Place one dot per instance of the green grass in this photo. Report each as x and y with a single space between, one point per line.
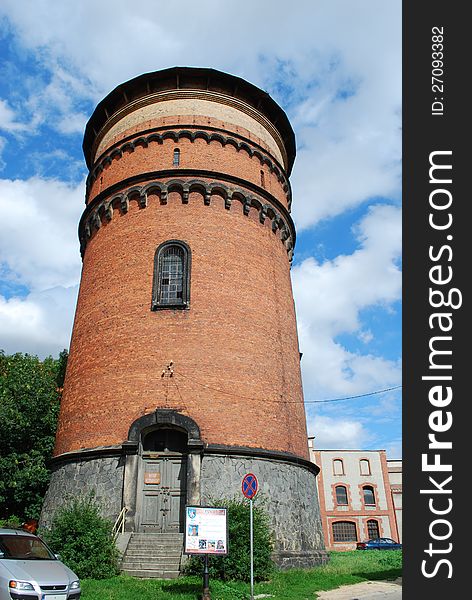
344 568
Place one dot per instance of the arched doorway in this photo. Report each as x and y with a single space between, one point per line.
162 457
162 480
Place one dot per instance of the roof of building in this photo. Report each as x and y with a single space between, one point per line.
189 78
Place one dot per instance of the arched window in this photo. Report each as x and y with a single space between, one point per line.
171 285
338 467
364 466
344 531
176 160
369 496
373 529
341 495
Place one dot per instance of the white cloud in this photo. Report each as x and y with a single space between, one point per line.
38 231
39 249
329 297
3 142
338 64
331 433
335 67
8 120
365 336
39 324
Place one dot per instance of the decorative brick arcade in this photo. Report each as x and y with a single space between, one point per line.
184 368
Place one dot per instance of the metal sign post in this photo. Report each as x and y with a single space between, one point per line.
251 534
206 581
250 486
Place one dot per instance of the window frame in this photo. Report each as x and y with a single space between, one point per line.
336 461
156 284
176 157
338 486
369 488
365 461
340 524
377 525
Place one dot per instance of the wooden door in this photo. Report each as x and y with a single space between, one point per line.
163 492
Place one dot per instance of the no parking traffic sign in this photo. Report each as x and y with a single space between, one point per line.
250 485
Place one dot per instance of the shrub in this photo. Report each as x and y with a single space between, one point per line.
84 540
12 522
236 564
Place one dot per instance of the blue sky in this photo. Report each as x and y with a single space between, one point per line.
335 68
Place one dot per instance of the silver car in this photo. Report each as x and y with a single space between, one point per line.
30 571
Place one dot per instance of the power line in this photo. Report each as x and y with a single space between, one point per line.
288 401
396 387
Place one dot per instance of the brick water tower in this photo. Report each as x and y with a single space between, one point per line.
184 368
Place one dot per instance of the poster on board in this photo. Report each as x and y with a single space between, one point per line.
206 530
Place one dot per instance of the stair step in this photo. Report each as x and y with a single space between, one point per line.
146 557
148 545
146 565
142 557
165 536
153 555
157 543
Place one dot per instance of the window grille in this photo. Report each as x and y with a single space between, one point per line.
171 288
344 531
176 160
373 529
171 270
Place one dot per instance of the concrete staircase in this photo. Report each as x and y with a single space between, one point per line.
153 555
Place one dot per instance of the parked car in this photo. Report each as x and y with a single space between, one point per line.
29 570
379 544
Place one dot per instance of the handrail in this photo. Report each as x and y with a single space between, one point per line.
119 526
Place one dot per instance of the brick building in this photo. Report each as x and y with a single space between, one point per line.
356 496
184 369
395 476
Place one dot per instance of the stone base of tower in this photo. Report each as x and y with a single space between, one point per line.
287 488
164 465
97 473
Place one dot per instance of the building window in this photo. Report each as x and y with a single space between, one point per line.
364 466
344 531
369 496
262 179
373 529
338 467
341 495
171 285
176 161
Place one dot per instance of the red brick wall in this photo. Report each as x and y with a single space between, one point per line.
199 154
235 351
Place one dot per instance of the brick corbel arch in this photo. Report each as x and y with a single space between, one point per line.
165 418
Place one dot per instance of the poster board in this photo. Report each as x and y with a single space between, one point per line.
206 530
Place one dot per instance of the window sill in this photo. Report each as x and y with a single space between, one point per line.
156 307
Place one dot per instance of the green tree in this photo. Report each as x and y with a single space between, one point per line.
30 392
